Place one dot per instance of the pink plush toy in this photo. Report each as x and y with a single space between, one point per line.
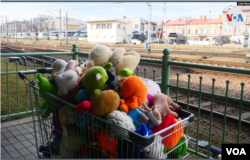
150 100
152 86
68 79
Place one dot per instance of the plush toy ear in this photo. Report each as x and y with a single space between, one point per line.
107 66
126 72
110 75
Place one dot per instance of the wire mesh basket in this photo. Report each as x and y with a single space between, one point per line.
66 133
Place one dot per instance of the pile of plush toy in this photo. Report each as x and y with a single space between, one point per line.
105 87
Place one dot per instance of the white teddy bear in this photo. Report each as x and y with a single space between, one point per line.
121 119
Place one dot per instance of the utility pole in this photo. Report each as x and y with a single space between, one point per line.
2 30
15 29
59 26
149 28
165 20
6 30
248 38
66 28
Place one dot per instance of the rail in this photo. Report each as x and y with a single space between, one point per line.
164 84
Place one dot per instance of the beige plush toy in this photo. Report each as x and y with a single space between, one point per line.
98 56
128 61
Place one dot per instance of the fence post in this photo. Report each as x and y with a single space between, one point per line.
75 50
165 71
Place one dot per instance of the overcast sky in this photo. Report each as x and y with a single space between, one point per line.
102 10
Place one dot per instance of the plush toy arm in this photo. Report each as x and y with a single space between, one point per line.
96 92
126 72
134 103
107 66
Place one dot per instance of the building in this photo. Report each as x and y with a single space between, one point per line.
18 26
176 25
140 24
45 23
109 31
242 30
204 29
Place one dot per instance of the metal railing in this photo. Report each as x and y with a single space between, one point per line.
164 84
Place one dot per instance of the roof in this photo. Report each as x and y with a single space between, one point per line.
207 21
107 20
242 8
177 22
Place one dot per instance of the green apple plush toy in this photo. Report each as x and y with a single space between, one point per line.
46 86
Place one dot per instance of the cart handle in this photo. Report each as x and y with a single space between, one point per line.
44 70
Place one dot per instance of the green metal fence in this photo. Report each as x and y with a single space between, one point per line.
164 84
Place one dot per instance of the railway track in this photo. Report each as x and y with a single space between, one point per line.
87 48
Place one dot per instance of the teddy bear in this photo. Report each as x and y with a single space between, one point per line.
133 92
119 61
98 56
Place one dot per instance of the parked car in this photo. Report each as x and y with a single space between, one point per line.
151 41
159 41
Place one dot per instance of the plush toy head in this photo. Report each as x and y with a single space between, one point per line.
134 86
67 82
98 56
94 79
59 66
105 102
82 95
45 85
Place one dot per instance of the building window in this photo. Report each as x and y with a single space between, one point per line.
98 26
104 26
248 18
174 30
136 25
109 25
189 31
196 31
246 29
183 32
239 29
215 31
229 29
225 29
202 31
92 26
208 31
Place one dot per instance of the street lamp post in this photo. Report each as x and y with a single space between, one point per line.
210 28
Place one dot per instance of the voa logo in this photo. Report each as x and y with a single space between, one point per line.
234 17
236 151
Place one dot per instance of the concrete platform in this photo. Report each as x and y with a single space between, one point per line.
18 139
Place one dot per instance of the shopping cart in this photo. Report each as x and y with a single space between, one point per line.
66 133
